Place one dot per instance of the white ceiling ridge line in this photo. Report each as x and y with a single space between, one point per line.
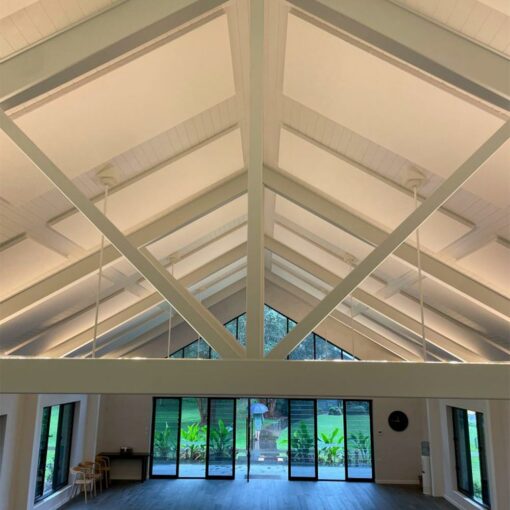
154 299
360 329
325 208
153 334
392 242
374 25
195 208
386 310
255 247
176 294
360 166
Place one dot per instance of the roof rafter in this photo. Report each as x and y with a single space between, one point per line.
314 202
93 43
392 242
424 45
192 210
142 306
176 294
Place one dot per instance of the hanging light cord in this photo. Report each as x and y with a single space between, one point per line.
170 319
420 282
100 275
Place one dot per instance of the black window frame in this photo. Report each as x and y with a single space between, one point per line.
462 414
60 465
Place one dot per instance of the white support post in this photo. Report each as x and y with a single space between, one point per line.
255 270
199 318
391 243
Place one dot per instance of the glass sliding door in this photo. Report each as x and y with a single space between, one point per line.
268 438
63 446
302 440
165 437
221 438
242 435
193 437
358 431
330 437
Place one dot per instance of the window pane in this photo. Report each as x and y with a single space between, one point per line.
193 437
347 355
304 350
359 439
275 328
43 446
241 329
64 445
177 354
321 348
166 432
191 350
461 440
203 349
483 459
50 455
232 327
214 354
332 351
330 435
302 439
221 437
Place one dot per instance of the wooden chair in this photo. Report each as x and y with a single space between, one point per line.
94 473
81 481
104 466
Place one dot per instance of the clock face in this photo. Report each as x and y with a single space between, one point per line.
398 421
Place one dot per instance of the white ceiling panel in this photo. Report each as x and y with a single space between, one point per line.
23 263
372 197
381 101
160 190
491 263
134 102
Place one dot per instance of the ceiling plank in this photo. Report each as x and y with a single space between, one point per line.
255 269
93 43
304 196
175 293
424 45
379 254
192 210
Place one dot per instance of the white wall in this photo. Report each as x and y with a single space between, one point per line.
497 438
24 415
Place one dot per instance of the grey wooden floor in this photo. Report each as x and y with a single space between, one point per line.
258 495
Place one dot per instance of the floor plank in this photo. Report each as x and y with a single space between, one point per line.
258 495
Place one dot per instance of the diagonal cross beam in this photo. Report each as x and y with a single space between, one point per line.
197 316
391 243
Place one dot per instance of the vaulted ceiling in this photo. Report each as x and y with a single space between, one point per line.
161 93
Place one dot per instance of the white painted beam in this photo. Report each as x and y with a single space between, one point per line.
376 304
131 312
301 194
253 378
424 45
379 254
183 215
199 318
93 43
255 269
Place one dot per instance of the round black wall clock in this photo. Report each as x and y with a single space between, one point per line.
398 421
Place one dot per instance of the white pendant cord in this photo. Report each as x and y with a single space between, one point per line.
170 320
100 275
420 282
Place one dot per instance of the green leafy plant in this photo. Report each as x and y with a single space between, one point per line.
302 443
164 445
360 443
192 438
221 440
331 450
